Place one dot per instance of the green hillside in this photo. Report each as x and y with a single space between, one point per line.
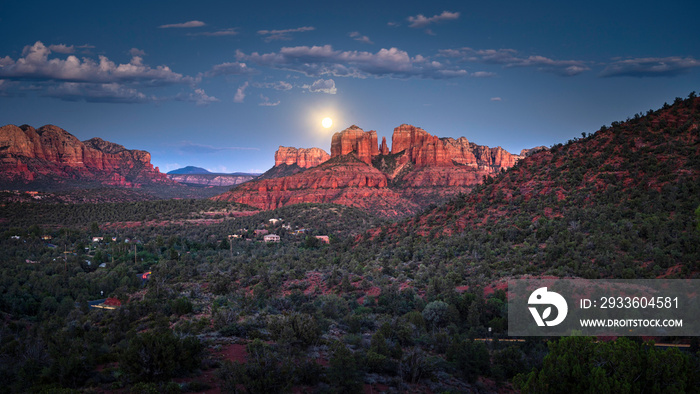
618 203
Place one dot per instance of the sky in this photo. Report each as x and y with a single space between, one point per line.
222 84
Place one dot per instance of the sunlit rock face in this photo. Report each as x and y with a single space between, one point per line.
304 158
354 139
424 149
418 170
28 154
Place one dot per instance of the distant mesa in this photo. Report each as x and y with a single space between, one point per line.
197 176
189 170
53 155
418 170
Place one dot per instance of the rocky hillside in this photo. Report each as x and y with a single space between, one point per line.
418 170
621 202
51 154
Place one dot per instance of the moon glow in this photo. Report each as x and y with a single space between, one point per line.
327 122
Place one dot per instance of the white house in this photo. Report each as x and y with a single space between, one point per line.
271 238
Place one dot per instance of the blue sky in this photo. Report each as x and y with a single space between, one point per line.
221 85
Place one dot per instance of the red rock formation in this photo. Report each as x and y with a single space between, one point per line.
354 139
528 152
343 180
419 170
424 149
28 154
383 149
406 138
304 158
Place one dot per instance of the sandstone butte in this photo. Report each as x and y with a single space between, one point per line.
51 153
418 170
304 158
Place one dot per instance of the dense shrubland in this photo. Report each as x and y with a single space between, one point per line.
406 306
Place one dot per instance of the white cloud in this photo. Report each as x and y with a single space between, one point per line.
650 67
496 99
324 60
419 21
97 93
137 52
183 25
279 85
322 86
483 74
359 37
36 65
199 97
271 35
511 58
234 68
219 33
453 73
62 48
267 103
240 93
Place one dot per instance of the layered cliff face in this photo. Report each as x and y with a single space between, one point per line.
342 180
354 139
304 158
424 149
52 154
420 169
211 179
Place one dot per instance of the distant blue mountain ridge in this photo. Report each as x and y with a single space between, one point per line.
192 170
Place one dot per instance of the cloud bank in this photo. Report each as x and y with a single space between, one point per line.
511 58
271 35
422 22
35 64
86 79
322 86
185 25
359 37
316 61
650 67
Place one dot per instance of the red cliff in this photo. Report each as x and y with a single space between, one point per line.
354 139
342 180
304 158
407 138
420 169
51 153
424 149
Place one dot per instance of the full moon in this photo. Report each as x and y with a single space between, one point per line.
327 122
